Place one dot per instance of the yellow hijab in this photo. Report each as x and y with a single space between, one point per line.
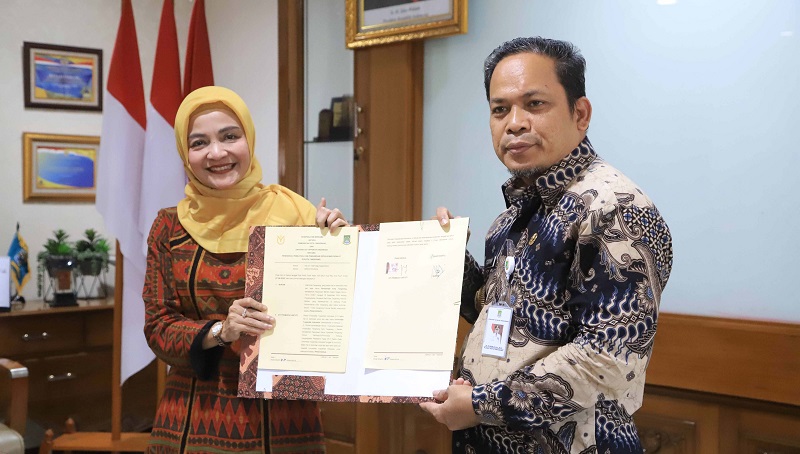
219 220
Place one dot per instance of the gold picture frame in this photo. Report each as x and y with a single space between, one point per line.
374 22
57 167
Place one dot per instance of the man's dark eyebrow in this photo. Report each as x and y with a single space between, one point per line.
530 93
527 94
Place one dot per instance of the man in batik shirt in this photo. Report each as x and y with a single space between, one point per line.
590 257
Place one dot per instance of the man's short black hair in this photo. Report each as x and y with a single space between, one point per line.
570 64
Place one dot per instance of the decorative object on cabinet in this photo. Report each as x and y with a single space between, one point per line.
58 260
325 124
59 167
92 265
19 269
336 123
373 22
62 77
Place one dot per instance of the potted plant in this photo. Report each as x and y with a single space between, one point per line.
92 253
58 258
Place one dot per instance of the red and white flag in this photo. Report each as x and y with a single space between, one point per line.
163 177
119 179
197 70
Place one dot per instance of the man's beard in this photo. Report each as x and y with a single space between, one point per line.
528 175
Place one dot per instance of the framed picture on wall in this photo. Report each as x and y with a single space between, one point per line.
59 167
372 22
62 77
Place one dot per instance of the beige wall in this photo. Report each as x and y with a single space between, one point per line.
244 52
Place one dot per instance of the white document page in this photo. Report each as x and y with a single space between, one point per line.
416 295
358 380
309 279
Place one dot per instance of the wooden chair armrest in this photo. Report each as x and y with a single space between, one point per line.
18 378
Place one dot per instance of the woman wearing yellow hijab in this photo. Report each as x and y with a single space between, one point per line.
194 286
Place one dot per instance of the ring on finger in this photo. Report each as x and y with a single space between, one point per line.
244 313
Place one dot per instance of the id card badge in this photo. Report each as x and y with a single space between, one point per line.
498 318
495 335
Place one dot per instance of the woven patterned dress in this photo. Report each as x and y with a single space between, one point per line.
186 290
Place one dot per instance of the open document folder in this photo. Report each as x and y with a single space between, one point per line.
366 313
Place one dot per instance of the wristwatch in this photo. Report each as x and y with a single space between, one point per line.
216 330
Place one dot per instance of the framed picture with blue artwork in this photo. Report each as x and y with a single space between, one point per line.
59 167
62 77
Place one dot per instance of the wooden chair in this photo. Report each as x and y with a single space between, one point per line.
16 377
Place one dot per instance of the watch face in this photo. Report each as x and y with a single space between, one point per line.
216 329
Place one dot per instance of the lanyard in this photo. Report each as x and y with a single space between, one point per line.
500 313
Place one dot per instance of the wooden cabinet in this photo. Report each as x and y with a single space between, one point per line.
724 386
68 353
682 422
677 426
763 432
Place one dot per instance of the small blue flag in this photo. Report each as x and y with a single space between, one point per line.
18 252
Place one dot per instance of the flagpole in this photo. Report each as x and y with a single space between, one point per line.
116 385
119 177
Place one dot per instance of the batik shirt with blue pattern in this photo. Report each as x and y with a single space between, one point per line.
592 255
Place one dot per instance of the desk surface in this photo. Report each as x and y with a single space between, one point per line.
39 307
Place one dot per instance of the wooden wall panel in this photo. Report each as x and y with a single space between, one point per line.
674 426
291 97
768 433
388 174
744 358
719 385
423 434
